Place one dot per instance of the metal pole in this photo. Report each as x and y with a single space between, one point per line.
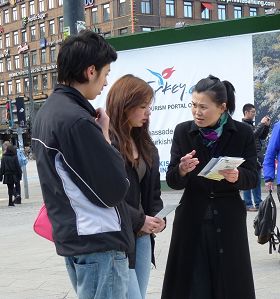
73 16
31 102
24 173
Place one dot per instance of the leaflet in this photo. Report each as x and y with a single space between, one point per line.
166 210
211 170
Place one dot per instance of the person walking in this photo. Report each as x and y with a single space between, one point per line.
10 171
260 132
128 107
272 155
82 176
209 254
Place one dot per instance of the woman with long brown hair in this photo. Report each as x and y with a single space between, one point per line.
128 106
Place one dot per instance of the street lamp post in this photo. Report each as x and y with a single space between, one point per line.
31 102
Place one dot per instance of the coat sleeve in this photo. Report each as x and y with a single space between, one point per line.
97 168
273 148
2 169
173 178
261 131
248 175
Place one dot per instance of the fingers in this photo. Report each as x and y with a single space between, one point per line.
188 163
231 175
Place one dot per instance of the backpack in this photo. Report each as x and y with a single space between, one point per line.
265 223
21 158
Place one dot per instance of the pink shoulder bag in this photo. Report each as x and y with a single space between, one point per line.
42 225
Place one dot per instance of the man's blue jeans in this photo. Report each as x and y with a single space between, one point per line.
139 277
257 193
99 275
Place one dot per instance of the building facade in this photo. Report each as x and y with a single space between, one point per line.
32 30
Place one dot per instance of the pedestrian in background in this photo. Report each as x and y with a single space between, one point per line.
82 176
10 171
272 155
209 254
128 107
260 133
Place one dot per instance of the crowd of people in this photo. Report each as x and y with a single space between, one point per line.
99 175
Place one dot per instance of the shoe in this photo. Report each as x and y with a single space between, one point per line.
17 200
252 209
11 205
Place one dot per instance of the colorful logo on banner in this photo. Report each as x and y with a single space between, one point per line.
164 86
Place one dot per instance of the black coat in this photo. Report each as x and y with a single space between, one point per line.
143 198
10 171
237 140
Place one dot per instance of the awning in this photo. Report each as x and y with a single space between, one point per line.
206 5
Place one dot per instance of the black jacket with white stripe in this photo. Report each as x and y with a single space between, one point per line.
83 177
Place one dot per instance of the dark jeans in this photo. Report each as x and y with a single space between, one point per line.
278 192
17 190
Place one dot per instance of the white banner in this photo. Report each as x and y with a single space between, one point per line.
173 69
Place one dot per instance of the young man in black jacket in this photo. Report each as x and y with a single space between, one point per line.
83 177
260 133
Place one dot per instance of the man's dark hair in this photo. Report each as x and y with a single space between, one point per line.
80 51
247 107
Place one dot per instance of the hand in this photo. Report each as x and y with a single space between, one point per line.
231 175
103 120
266 120
269 186
188 163
152 225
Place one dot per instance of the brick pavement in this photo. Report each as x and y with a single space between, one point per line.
30 268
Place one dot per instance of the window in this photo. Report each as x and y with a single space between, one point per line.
253 11
16 42
9 64
18 86
6 16
1 66
221 12
31 8
26 85
2 84
53 79
94 16
52 54
17 64
15 16
188 9
23 11
10 87
33 33
147 29
1 42
41 5
51 27
51 4
123 31
60 2
44 81
122 8
33 57
205 14
237 12
60 24
43 55
23 36
7 40
170 8
146 7
42 30
25 60
35 83
106 12
107 34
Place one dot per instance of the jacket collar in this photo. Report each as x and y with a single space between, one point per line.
75 95
248 121
230 125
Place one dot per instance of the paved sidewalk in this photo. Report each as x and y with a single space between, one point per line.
30 268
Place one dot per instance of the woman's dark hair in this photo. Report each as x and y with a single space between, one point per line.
10 149
126 94
219 91
80 51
